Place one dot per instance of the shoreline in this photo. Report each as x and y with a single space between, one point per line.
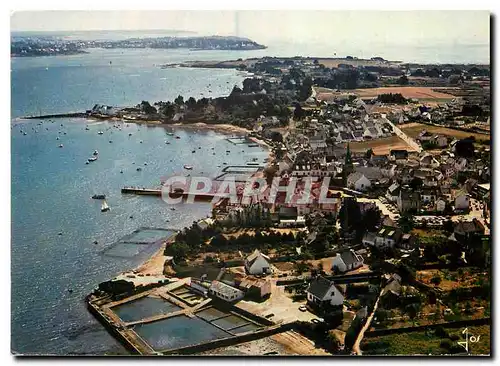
154 265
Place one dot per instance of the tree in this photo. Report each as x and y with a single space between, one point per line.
147 108
381 314
178 250
191 103
416 183
369 153
305 89
406 223
350 215
403 80
436 280
371 219
298 112
179 100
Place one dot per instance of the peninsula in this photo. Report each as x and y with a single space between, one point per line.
50 46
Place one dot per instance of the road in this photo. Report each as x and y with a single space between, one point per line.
403 136
356 349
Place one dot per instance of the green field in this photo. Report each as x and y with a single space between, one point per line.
420 343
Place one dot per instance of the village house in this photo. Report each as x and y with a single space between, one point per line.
408 242
347 260
462 200
225 292
254 288
466 230
257 263
393 192
428 195
387 237
323 292
441 204
408 200
389 297
358 182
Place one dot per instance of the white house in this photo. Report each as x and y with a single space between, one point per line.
347 260
358 182
393 192
257 263
440 204
385 237
225 292
322 291
462 200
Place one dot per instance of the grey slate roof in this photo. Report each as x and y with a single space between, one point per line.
319 287
348 257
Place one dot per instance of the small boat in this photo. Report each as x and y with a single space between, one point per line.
130 134
110 141
57 138
140 142
177 137
96 153
86 128
170 133
193 151
99 197
104 207
24 133
188 167
168 143
92 159
61 145
139 169
100 133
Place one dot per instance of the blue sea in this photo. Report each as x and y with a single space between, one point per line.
52 186
54 220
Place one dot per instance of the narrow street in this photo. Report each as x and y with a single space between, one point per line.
356 349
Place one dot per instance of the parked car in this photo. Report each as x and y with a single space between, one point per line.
316 321
302 308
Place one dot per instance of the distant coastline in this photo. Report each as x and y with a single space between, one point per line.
52 46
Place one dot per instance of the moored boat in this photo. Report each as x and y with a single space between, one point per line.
104 207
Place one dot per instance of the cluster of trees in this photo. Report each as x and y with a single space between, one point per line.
250 216
395 98
260 240
352 220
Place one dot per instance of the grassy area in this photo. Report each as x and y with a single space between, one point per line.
427 343
414 129
416 92
415 343
483 345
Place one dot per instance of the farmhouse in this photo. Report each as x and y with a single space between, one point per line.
323 292
257 263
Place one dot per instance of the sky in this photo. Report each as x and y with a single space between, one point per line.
363 27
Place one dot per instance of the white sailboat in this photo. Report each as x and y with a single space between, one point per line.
104 207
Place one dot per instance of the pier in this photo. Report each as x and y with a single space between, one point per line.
158 192
58 115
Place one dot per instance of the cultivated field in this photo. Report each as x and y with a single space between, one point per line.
335 62
413 129
416 92
380 146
